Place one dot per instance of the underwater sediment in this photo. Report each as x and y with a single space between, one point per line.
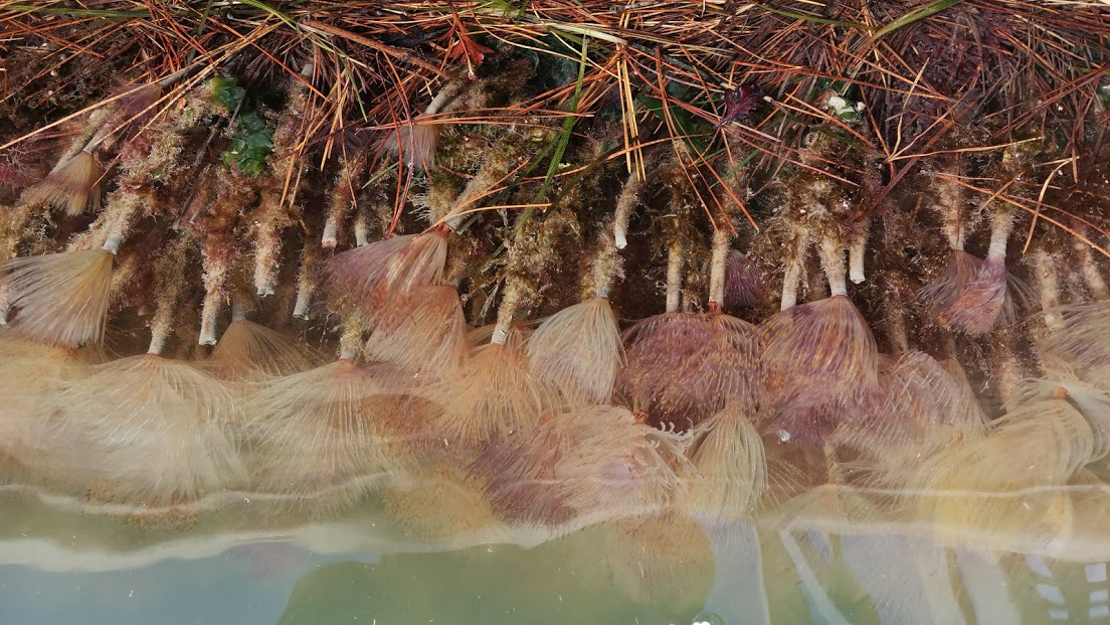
577 260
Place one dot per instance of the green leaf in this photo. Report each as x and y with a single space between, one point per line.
252 121
251 166
253 141
226 93
259 140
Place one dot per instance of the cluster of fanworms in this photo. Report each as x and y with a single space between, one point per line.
201 296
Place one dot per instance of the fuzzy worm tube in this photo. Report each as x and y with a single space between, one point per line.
306 279
506 312
362 228
342 199
857 250
792 278
832 261
895 310
676 255
629 197
1002 223
1091 274
717 265
272 217
159 333
498 165
1049 287
221 250
274 214
607 266
950 199
169 281
238 311
350 342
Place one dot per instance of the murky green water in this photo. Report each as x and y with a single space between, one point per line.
827 556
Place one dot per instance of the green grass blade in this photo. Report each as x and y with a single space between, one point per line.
262 6
813 18
914 15
558 146
563 139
